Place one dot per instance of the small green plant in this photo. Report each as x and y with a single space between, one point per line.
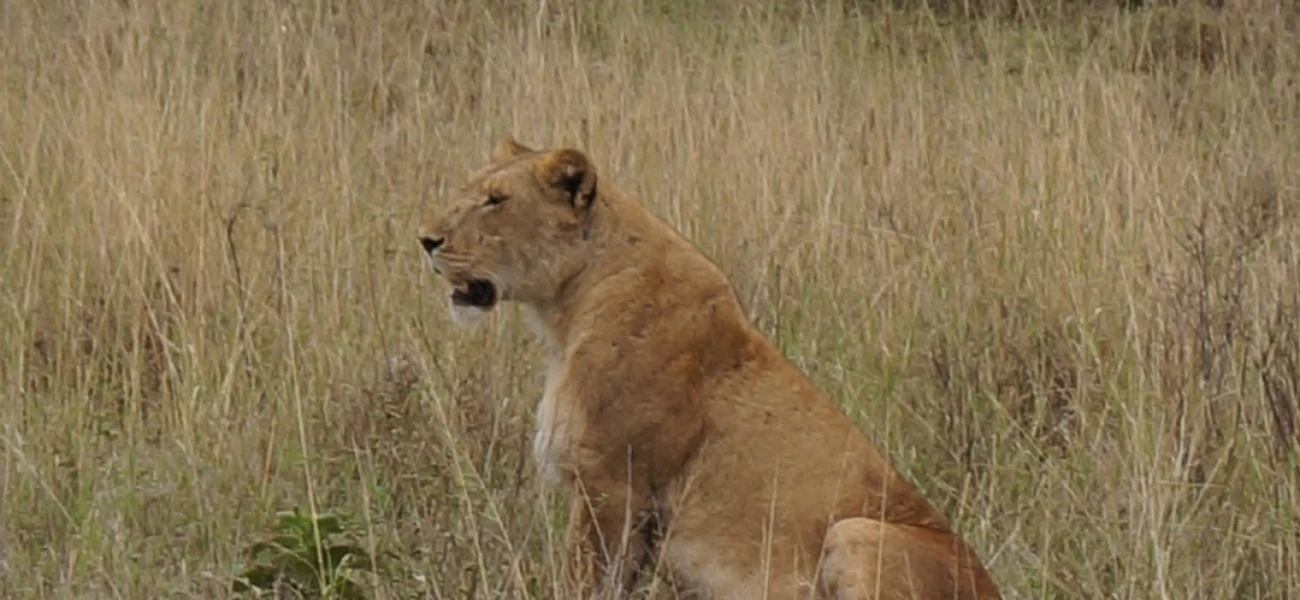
309 556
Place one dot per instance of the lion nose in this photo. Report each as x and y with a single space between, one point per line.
430 244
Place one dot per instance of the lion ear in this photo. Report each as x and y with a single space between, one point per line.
509 148
570 171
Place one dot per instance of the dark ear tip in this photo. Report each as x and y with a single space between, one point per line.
570 170
567 162
574 167
572 156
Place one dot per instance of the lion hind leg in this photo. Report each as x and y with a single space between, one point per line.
865 559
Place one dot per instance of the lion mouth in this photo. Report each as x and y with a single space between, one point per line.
478 293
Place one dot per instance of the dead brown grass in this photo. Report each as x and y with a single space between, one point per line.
1050 268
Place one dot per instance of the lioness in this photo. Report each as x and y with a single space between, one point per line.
683 433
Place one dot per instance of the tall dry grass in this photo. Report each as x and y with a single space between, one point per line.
1049 267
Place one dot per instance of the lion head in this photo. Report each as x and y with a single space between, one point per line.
514 231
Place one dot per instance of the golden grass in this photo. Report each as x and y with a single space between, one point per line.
1049 268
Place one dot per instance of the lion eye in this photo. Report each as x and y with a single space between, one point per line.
495 199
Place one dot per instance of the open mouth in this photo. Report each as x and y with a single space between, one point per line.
478 293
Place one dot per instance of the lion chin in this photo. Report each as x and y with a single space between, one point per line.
469 302
463 315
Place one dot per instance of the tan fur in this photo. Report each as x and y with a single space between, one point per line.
686 437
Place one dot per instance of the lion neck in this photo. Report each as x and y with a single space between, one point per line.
622 236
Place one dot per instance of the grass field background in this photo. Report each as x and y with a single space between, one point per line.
1047 261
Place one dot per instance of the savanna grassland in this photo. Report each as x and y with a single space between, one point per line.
1047 261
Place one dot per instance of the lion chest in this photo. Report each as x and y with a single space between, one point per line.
559 426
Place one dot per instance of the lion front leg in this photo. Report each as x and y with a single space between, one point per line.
579 574
606 542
